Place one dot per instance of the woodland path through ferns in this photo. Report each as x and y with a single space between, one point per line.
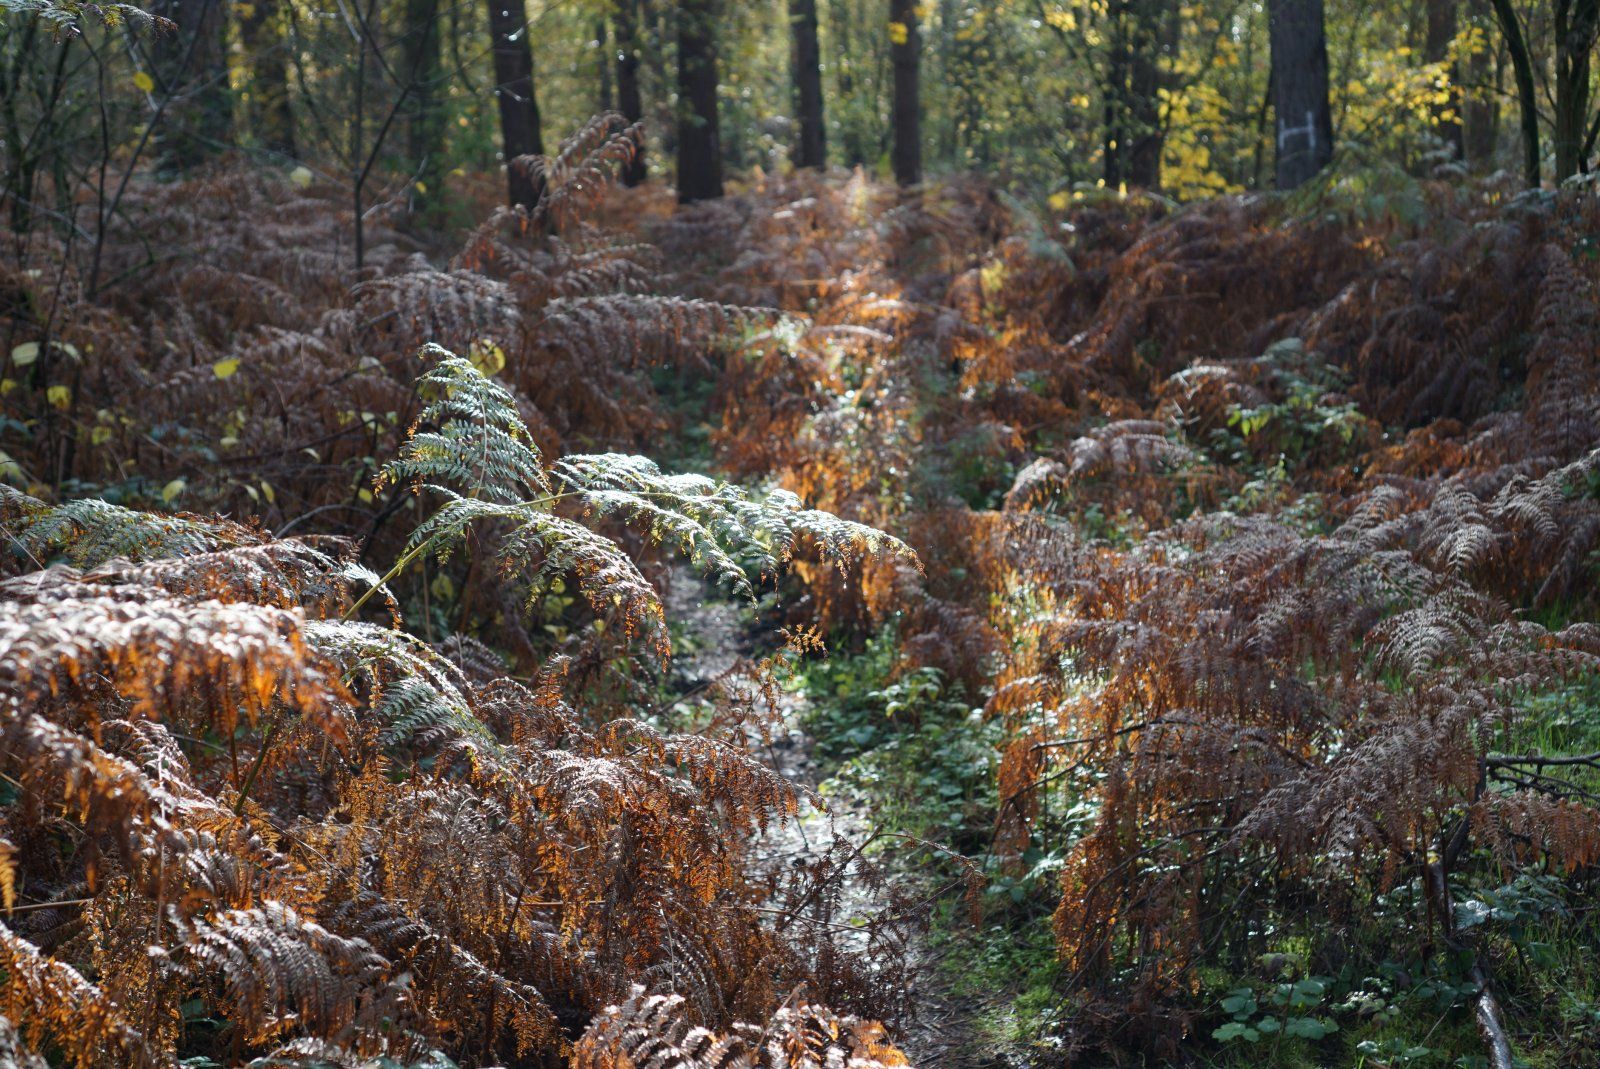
943 1036
1215 590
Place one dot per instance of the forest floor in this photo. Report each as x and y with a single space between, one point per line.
834 817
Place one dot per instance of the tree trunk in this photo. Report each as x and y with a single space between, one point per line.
1576 24
1480 113
905 51
1436 50
266 51
853 144
425 124
1527 101
1114 135
608 100
811 145
699 137
191 66
629 99
1300 89
521 130
1154 34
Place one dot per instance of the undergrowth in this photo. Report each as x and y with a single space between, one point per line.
1211 593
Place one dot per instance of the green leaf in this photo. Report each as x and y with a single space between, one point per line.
1309 1027
1240 1000
1236 1030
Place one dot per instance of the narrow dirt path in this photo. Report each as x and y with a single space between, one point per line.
941 1033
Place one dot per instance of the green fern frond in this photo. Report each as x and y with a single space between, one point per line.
542 546
91 532
481 444
482 447
417 691
720 526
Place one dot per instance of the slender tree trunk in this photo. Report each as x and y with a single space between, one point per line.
1300 89
1153 34
1527 100
1479 113
608 100
267 52
699 137
629 99
811 146
852 143
1577 22
425 124
1258 169
1436 49
521 129
191 64
1114 135
905 51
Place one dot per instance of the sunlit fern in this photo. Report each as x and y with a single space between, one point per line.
91 532
471 448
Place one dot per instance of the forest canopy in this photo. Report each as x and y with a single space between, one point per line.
799 534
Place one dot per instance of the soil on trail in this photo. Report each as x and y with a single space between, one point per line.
940 1033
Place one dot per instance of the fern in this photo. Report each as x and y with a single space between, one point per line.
652 1030
282 971
54 1003
93 532
482 447
415 691
481 443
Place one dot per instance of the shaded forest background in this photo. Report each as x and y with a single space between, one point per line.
834 533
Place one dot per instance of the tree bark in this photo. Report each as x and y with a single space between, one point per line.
1436 49
1527 100
1576 24
607 99
1480 112
905 51
521 129
191 65
699 136
1155 33
1300 89
1114 135
629 99
1142 31
811 144
266 51
425 124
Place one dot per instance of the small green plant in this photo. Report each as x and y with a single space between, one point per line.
1294 1008
1308 418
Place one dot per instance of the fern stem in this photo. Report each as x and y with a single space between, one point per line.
399 566
255 770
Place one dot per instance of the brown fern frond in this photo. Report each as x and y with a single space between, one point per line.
57 1005
157 653
279 970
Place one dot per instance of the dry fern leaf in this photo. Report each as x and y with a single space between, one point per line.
157 652
54 1004
651 1032
280 970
